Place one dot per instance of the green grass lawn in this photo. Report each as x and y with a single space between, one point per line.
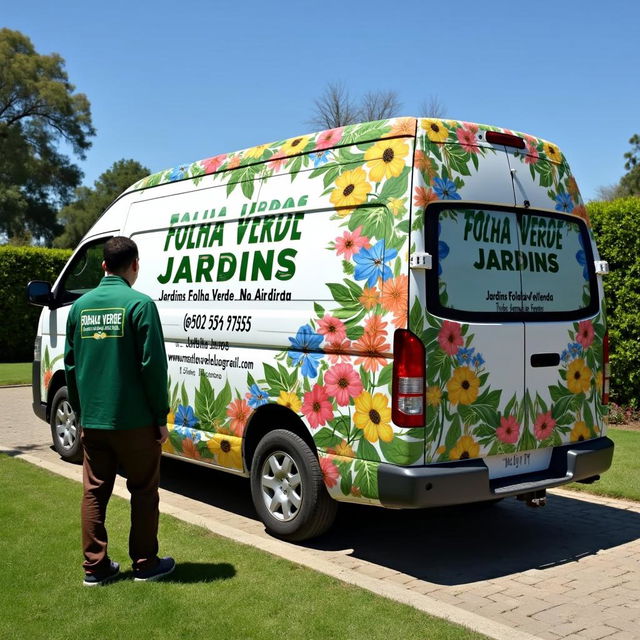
623 479
220 589
15 373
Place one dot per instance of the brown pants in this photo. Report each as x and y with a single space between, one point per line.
138 451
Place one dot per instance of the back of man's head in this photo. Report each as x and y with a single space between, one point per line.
119 253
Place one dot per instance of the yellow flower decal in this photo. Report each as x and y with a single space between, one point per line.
578 376
436 131
552 152
463 386
171 418
580 432
255 152
342 449
466 447
295 145
385 159
434 395
373 416
351 190
291 400
396 206
227 450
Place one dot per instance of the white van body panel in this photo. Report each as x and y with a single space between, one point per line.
255 257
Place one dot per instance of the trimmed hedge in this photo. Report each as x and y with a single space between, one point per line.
18 265
616 225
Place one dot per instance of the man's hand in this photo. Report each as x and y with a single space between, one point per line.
164 433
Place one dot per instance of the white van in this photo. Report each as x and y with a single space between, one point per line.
405 313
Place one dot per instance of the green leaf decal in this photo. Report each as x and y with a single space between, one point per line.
367 478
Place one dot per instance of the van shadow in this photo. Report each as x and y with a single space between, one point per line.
448 546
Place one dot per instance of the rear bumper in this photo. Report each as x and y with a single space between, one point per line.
468 480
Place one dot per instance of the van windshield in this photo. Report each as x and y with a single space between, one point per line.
492 262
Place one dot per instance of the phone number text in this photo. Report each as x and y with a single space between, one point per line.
216 322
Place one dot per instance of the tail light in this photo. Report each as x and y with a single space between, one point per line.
408 380
506 139
606 373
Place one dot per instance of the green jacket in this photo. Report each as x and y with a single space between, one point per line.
115 359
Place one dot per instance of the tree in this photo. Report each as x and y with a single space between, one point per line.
334 108
38 110
432 108
379 105
633 156
89 204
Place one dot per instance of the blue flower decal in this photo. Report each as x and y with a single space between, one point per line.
305 342
564 202
446 189
371 264
564 356
477 360
179 172
257 397
581 257
320 158
464 355
575 349
443 249
185 417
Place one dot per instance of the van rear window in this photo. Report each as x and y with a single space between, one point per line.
498 263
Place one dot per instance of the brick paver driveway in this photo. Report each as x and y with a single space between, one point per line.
569 570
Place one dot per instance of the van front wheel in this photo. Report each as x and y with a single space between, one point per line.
287 488
65 430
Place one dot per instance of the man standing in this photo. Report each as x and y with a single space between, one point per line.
116 369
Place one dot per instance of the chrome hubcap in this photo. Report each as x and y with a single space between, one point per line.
66 428
281 486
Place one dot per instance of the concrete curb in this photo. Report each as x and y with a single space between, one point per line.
291 552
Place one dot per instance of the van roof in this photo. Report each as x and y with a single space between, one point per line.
277 153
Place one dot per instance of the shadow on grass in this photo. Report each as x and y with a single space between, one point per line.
450 546
192 573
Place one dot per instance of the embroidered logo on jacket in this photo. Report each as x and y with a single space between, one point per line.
99 324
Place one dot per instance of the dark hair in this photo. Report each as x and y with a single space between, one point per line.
119 253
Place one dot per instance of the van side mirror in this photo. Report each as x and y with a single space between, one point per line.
39 293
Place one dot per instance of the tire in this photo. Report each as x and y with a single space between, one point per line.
288 490
65 430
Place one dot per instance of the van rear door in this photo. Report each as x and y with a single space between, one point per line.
563 330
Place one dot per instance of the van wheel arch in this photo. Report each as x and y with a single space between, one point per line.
57 382
268 418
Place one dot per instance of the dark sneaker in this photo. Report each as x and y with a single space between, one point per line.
164 567
95 579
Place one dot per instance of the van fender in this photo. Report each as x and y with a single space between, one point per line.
268 418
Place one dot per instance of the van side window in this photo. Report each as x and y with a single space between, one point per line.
83 273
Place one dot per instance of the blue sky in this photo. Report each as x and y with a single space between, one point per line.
173 82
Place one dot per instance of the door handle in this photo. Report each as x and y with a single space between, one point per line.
545 359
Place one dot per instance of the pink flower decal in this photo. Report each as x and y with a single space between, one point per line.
343 383
350 243
467 139
330 472
532 155
544 425
211 165
332 329
329 138
317 407
509 430
277 160
450 338
585 334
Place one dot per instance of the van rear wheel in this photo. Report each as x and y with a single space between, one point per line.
288 490
65 429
